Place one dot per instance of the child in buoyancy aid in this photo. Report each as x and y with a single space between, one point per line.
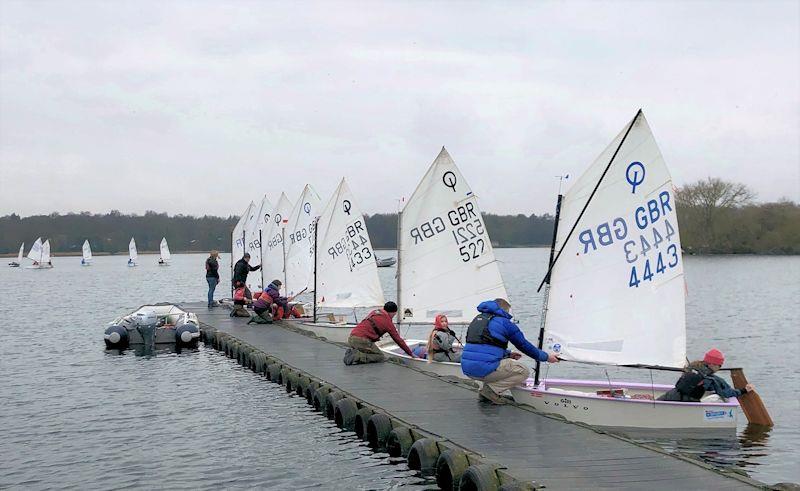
262 306
440 343
281 309
699 379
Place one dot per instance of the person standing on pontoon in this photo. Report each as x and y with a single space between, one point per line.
362 347
212 275
699 379
240 271
486 356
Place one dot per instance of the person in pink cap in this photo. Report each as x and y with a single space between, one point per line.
699 378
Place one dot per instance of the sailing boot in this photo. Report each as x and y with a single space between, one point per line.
487 394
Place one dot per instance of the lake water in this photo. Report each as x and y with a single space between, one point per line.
75 416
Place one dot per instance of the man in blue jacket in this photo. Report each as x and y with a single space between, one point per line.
486 356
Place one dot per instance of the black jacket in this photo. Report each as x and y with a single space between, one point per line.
240 270
212 268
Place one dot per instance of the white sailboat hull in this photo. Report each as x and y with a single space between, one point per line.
337 333
578 401
444 369
40 266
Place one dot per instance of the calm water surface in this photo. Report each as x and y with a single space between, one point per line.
76 416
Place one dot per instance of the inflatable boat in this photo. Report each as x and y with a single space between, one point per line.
153 324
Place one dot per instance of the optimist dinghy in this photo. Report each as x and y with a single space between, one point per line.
444 369
615 293
153 324
163 249
18 262
133 254
40 255
86 260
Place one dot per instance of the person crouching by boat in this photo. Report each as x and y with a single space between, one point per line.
699 379
362 347
282 310
441 341
241 298
486 356
262 306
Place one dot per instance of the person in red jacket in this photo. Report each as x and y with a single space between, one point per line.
362 348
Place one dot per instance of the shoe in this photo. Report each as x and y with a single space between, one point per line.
349 356
488 395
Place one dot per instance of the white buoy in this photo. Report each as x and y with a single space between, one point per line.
186 336
112 338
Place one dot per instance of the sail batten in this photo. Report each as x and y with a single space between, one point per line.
447 264
347 272
616 292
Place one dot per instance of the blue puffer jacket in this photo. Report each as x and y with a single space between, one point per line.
479 360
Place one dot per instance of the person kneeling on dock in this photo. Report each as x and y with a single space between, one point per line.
362 347
281 309
262 306
486 356
699 379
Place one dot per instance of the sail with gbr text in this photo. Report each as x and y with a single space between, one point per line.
447 264
347 275
272 252
300 242
617 292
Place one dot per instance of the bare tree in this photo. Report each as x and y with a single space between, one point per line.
705 201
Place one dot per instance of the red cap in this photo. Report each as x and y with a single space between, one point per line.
714 357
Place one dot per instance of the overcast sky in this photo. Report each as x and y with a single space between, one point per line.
199 107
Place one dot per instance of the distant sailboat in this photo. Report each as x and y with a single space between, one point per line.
18 262
86 260
47 261
133 255
40 255
165 254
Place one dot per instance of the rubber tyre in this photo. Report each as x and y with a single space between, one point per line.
423 456
286 378
378 428
480 477
399 442
450 466
344 413
310 390
360 424
274 373
301 385
319 397
330 402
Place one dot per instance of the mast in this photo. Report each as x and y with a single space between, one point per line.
398 277
261 253
283 246
547 288
316 222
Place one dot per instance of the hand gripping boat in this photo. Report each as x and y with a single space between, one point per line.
153 324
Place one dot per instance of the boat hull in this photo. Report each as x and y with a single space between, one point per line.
444 369
337 333
166 324
578 401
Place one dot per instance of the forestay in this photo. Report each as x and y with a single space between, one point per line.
238 236
87 251
164 249
447 264
272 253
347 275
300 241
132 253
35 254
617 290
256 230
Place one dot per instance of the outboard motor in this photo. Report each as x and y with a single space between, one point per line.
116 337
146 323
187 334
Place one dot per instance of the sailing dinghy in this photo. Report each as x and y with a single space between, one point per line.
446 263
299 243
166 256
18 262
86 260
615 293
133 254
40 255
256 231
273 252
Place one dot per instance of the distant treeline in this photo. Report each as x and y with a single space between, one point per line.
715 217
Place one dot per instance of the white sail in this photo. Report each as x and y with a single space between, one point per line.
45 252
132 253
87 251
257 230
447 263
272 243
347 275
617 291
300 243
164 249
35 254
238 236
21 252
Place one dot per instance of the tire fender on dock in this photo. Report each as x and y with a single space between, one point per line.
286 374
450 466
319 397
274 372
330 402
344 413
311 389
378 428
362 418
480 477
302 385
423 455
399 442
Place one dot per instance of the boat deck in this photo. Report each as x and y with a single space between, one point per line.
531 446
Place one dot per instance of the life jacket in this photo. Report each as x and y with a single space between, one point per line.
691 386
238 294
478 332
453 336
